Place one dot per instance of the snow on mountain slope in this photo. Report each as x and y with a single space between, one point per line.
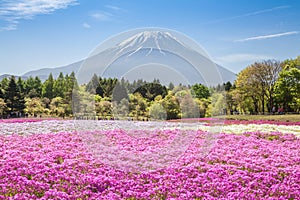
159 40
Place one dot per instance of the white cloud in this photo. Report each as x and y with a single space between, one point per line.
236 58
102 16
115 8
86 25
263 37
258 12
263 11
110 13
12 11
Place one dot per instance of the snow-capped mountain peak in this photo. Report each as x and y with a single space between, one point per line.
159 40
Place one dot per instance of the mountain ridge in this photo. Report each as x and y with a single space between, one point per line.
44 73
165 56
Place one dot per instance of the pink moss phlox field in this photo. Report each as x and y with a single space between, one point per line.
229 122
287 123
23 120
251 165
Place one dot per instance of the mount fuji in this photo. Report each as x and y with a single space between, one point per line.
147 55
159 55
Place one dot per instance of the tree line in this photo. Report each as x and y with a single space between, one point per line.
268 86
107 98
139 100
32 97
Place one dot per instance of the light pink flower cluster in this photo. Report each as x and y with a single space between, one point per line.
23 120
17 120
252 165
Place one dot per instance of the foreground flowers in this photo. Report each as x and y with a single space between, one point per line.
62 165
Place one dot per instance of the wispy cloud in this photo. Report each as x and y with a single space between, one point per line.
115 8
12 11
86 25
263 37
108 13
102 16
258 12
243 57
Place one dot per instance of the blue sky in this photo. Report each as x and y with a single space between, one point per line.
51 33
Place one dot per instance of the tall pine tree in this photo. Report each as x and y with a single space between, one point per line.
48 87
1 92
60 86
13 98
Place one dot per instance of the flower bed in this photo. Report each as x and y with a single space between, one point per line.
230 121
19 120
61 165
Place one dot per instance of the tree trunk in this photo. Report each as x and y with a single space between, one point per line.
263 104
255 103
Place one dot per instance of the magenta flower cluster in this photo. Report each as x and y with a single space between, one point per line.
252 165
261 122
229 122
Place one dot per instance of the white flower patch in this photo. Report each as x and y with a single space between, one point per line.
265 128
56 126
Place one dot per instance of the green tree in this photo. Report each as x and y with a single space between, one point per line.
48 87
171 86
257 82
172 106
157 111
71 92
189 107
227 86
103 108
58 107
266 74
1 92
100 91
3 107
248 89
151 90
230 101
34 106
200 91
119 92
203 106
21 85
93 84
4 83
46 102
137 105
33 87
218 104
287 88
120 109
59 87
14 100
108 86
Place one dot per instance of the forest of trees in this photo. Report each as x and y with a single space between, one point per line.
264 87
268 86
